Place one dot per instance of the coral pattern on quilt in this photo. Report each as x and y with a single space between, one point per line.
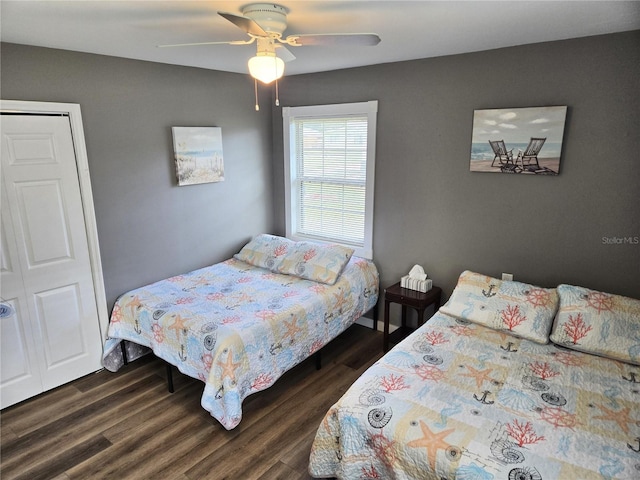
460 400
238 327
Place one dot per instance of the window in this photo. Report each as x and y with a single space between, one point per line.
329 171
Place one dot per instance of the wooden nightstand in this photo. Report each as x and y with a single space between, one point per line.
407 298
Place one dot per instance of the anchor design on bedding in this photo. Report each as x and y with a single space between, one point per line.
219 393
632 378
490 292
508 347
483 399
328 317
631 447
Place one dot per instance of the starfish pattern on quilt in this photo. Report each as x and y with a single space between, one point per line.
292 328
479 375
134 304
341 301
178 324
228 367
432 442
621 417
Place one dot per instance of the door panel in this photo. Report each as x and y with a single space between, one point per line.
35 149
58 316
44 205
43 221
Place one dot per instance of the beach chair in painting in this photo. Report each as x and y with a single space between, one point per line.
530 154
503 156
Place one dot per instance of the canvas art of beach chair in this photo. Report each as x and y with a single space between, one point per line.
530 155
503 156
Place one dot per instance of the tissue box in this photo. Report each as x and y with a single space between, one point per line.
416 284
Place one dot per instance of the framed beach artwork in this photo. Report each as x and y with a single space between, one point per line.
518 140
198 154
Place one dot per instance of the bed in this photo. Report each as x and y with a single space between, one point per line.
478 392
240 324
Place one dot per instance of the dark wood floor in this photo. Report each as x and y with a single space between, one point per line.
126 424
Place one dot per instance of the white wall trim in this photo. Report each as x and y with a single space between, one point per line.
368 322
82 161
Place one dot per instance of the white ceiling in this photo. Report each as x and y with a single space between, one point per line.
408 29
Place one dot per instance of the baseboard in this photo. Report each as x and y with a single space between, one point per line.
368 322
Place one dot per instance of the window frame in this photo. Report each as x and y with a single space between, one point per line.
289 114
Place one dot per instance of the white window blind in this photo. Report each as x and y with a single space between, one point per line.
330 174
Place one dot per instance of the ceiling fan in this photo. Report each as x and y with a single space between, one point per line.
265 24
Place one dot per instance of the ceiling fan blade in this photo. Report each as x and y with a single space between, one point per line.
233 42
245 24
284 53
331 39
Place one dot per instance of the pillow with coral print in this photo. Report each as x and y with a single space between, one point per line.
315 261
517 308
266 251
598 323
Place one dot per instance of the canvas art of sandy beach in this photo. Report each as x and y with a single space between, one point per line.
198 154
518 140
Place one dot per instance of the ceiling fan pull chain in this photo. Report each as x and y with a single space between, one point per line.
277 96
255 86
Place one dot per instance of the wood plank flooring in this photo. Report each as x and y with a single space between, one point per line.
126 425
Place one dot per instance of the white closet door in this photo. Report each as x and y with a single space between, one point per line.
44 209
20 371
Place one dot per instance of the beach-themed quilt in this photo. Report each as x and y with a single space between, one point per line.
460 400
238 327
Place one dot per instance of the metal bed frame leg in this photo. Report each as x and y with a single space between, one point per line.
123 349
318 354
375 316
125 361
169 378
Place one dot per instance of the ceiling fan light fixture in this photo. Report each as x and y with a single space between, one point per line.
266 68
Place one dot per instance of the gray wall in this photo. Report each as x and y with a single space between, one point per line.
431 210
149 228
